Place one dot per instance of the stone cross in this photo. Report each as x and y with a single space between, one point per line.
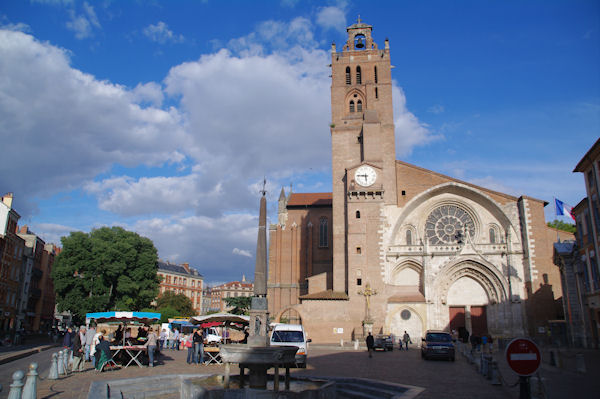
367 293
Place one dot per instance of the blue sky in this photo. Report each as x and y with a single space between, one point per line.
163 117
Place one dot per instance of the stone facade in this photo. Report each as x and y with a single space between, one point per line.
396 247
181 279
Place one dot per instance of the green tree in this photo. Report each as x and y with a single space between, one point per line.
179 302
241 304
560 225
167 313
107 269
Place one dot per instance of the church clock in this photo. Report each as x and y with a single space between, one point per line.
365 176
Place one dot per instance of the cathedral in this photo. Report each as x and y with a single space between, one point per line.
396 247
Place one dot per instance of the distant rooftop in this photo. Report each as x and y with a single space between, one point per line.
309 199
173 268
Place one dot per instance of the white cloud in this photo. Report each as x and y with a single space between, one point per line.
52 232
84 23
333 17
241 252
19 26
161 33
410 132
61 127
150 93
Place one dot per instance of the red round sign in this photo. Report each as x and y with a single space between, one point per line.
523 356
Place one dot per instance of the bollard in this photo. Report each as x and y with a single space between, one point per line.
53 374
580 363
66 354
30 389
356 345
61 363
484 365
16 388
495 373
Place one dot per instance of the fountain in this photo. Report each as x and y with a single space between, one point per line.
258 356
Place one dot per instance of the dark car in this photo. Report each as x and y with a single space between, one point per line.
383 342
437 344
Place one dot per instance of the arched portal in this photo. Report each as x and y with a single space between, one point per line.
289 316
405 318
471 294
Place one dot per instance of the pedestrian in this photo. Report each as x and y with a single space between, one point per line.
89 338
176 339
102 350
188 342
484 343
400 343
198 340
370 343
473 340
79 350
67 340
162 339
151 345
406 339
95 342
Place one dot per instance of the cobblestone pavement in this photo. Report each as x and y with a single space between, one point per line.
441 379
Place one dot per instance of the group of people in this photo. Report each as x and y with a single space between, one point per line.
402 342
86 345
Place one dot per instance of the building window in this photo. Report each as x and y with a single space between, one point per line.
358 214
359 281
351 105
323 232
492 236
348 79
358 250
408 237
359 106
376 93
375 70
358 75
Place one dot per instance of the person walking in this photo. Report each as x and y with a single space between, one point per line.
79 350
406 339
176 339
151 345
198 341
370 343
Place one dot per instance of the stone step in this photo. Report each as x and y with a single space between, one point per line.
373 390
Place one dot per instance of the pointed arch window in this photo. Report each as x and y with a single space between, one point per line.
358 214
492 235
408 237
323 230
375 74
376 93
352 106
358 75
359 106
348 78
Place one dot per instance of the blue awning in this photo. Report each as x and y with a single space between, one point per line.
108 317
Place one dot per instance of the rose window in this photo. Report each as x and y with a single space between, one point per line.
449 224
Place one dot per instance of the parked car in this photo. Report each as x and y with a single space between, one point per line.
383 342
294 335
437 344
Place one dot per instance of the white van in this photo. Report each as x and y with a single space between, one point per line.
292 335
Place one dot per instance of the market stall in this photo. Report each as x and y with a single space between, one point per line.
127 350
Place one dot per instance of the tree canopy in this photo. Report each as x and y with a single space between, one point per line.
241 304
107 269
181 304
560 225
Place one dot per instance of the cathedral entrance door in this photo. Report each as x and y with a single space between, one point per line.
479 320
457 317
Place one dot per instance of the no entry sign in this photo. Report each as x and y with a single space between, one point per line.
523 356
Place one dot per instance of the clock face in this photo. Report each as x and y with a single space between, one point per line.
365 176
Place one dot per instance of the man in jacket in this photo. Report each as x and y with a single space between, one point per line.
370 344
78 350
89 338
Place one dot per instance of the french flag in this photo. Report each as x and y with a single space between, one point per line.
562 209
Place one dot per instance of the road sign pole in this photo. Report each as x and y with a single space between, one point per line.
524 388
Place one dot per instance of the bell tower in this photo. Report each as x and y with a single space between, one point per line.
363 151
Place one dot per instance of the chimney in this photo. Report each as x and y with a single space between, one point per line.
186 266
24 229
8 199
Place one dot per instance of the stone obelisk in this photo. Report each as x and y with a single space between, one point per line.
259 313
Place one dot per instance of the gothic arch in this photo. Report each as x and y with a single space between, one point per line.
294 308
395 315
400 267
494 284
459 189
355 95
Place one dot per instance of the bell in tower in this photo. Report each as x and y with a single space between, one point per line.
359 42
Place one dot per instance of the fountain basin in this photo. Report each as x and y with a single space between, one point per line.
267 356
